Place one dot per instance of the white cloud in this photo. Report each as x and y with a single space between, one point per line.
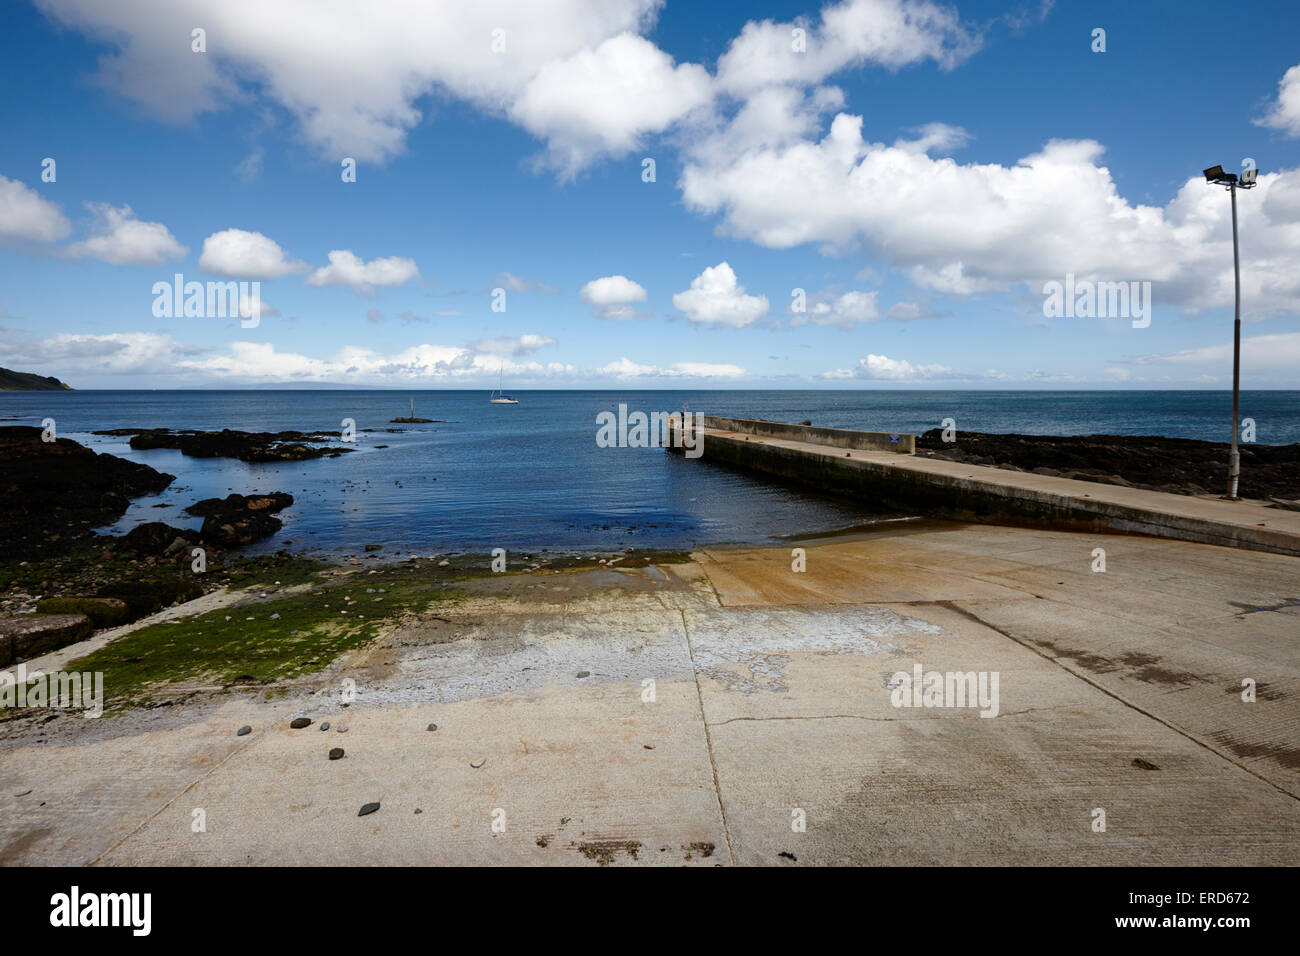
612 297
602 102
894 370
250 167
24 214
123 240
261 362
1284 114
715 298
514 283
119 353
965 229
845 310
359 99
238 254
511 347
889 33
1276 354
625 368
347 269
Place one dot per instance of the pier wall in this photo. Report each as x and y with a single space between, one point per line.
899 442
975 493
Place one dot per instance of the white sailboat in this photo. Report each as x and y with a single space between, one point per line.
499 397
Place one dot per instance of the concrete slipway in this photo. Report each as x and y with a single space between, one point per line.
1119 691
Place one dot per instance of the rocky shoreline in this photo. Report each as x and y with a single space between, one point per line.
230 443
1179 466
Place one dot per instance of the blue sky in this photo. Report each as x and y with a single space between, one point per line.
920 170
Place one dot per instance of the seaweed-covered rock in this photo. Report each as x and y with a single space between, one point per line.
143 597
102 611
24 636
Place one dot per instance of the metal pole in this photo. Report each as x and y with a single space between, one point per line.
1234 459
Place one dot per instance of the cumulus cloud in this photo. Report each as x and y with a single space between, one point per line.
123 240
716 298
578 74
239 254
890 33
359 101
845 310
602 102
348 269
612 297
24 214
1284 114
895 370
965 229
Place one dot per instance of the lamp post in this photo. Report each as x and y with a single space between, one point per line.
1216 176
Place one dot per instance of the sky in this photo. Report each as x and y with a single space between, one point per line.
636 194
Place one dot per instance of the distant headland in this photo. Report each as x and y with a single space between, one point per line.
11 381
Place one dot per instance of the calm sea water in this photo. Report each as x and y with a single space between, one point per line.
530 476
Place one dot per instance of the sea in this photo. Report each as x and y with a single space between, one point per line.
532 476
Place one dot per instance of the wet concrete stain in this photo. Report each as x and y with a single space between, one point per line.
1288 757
1253 609
1143 667
16 851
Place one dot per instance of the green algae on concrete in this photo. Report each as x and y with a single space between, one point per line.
255 644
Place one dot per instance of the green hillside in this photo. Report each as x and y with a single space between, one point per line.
11 381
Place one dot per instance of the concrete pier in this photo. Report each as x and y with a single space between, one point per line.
873 467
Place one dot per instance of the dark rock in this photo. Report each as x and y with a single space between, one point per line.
245 446
237 520
584 673
368 809
300 722
325 726
1178 465
155 538
244 731
54 493
432 727
336 753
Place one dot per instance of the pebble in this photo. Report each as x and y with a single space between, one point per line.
478 763
432 727
244 731
368 809
336 753
584 673
325 726
300 722
649 746
275 617
343 730
443 564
